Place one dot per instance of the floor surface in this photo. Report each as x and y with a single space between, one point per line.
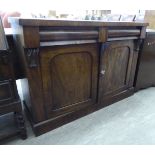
130 121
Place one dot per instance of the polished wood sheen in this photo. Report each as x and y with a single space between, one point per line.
115 68
73 68
58 22
146 66
71 72
72 35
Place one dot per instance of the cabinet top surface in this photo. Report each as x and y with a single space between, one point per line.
60 22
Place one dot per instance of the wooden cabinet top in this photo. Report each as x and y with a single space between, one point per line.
60 22
47 32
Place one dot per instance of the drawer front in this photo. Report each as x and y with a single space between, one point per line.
6 91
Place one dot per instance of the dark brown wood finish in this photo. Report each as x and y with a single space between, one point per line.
9 99
115 68
145 70
60 22
123 33
63 64
71 72
69 35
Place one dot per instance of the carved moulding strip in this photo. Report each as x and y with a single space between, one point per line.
32 56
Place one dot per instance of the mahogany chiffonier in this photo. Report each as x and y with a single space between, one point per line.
9 98
72 68
146 66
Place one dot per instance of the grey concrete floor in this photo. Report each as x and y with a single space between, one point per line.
130 121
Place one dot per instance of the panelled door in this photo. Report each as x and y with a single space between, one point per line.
69 77
115 68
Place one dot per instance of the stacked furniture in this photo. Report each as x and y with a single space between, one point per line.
10 103
146 66
72 68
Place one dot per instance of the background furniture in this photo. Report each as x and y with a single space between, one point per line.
146 67
72 68
9 99
4 16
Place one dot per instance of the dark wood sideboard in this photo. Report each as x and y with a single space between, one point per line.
72 68
10 103
145 76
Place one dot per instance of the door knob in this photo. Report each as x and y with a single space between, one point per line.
102 72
